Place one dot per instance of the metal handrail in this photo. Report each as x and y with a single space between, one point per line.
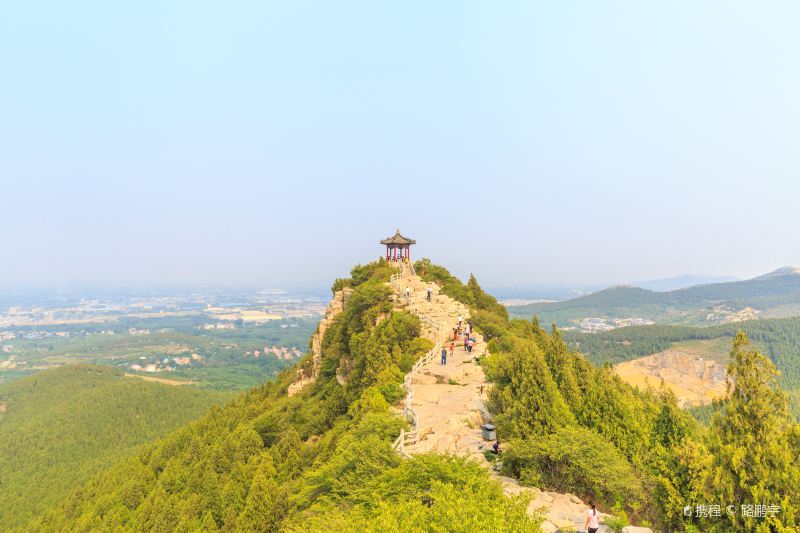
411 437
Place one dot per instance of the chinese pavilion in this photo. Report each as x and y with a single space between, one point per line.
398 248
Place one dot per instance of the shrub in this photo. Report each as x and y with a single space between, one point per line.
577 460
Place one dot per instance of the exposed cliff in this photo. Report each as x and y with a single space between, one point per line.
306 376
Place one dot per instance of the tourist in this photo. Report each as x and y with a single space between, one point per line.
408 294
428 295
444 355
455 333
460 321
592 523
496 451
496 447
452 347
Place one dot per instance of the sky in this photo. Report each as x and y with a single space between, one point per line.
277 143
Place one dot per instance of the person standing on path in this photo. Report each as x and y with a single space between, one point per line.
444 355
460 321
428 295
408 294
452 347
592 523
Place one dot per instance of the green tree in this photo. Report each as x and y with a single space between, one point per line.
208 525
264 508
754 458
530 402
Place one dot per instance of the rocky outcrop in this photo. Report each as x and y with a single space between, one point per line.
695 380
308 376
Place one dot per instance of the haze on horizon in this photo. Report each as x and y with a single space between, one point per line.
277 142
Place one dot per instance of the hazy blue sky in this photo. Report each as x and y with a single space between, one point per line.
278 142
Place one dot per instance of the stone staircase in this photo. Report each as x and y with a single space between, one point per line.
449 401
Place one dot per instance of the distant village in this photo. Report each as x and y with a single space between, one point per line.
598 325
171 363
254 307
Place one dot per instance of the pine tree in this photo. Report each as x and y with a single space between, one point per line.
208 525
264 508
751 440
531 402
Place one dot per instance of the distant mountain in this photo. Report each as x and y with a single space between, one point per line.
542 292
783 271
62 426
682 282
774 294
567 292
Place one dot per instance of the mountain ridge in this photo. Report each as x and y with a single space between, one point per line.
780 288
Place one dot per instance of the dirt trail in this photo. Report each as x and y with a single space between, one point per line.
165 381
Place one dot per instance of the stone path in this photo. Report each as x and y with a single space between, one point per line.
450 400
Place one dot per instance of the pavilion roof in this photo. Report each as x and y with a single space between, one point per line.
398 239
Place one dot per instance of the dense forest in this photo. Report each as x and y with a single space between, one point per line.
775 294
322 459
60 427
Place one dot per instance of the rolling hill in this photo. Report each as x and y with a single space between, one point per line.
776 294
324 456
60 427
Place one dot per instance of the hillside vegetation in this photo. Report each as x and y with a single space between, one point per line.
776 294
572 426
321 460
62 426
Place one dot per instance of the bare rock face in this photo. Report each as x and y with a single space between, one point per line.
695 380
334 308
